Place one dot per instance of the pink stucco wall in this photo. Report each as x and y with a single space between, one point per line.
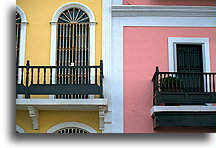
145 48
171 2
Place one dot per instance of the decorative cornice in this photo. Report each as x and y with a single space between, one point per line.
166 11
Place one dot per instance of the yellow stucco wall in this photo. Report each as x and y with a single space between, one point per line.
47 119
38 39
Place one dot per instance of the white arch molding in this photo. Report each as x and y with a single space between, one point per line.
92 25
19 129
71 124
24 23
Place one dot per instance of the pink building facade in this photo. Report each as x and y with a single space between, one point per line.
167 34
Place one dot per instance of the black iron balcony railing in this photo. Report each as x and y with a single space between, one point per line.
184 88
61 81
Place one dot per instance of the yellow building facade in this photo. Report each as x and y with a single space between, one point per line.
38 43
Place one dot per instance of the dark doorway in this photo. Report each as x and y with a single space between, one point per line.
189 60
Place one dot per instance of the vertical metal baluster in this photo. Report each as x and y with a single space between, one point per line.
172 82
72 54
60 57
101 79
78 55
27 79
82 58
200 84
159 81
66 56
38 76
69 58
192 82
51 75
63 57
85 55
63 53
195 82
189 82
214 82
44 75
206 86
32 69
22 77
88 61
210 84
75 56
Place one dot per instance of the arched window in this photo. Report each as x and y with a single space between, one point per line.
71 127
71 130
73 44
73 48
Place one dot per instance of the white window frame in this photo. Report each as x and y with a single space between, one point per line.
24 23
19 129
172 52
71 124
92 25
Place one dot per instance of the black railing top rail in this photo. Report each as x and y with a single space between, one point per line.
59 66
186 73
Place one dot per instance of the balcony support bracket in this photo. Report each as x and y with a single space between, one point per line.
33 113
102 110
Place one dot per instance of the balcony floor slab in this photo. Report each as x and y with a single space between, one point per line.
62 104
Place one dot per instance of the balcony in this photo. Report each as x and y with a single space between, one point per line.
184 99
64 82
184 88
68 88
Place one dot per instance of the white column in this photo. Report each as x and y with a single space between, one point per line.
106 56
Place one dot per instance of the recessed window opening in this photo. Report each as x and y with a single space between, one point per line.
73 49
189 60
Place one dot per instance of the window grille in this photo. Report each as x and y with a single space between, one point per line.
73 49
71 130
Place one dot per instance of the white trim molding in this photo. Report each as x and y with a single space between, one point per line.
172 51
188 108
19 129
54 21
159 10
71 124
22 14
69 5
24 23
106 54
